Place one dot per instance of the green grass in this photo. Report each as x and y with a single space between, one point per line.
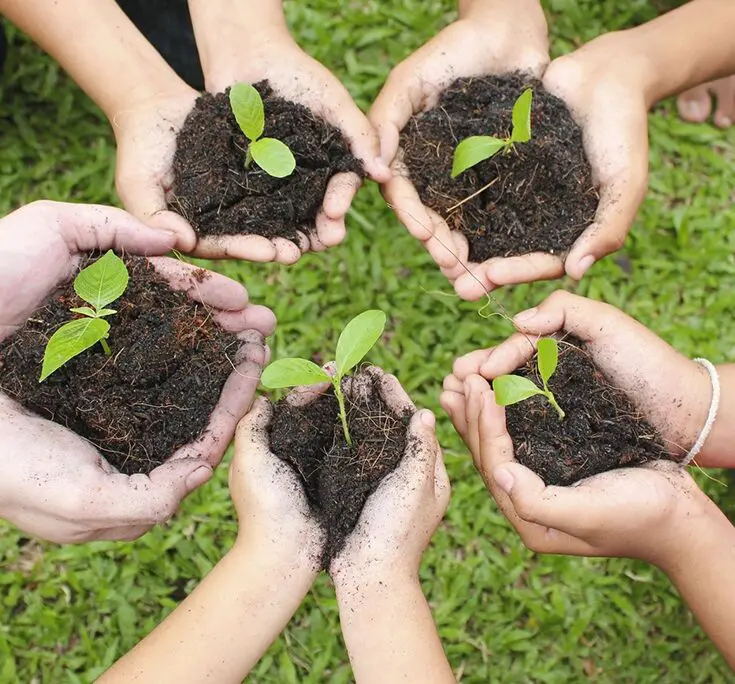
505 615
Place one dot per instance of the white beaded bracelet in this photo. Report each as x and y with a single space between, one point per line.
714 405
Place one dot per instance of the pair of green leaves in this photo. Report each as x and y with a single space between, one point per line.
511 389
270 154
99 284
478 148
356 340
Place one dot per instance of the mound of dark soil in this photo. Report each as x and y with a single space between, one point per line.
602 429
338 478
169 363
541 196
218 196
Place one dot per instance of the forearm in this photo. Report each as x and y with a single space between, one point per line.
719 448
224 29
99 47
388 628
223 628
702 571
679 49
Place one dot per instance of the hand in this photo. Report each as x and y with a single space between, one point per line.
509 37
603 86
146 144
53 483
296 76
670 390
650 513
400 517
270 500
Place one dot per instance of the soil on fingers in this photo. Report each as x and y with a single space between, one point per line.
154 394
539 196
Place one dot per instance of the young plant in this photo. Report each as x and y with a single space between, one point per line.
100 284
510 389
355 341
478 148
271 155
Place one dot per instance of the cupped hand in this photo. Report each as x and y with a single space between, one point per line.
146 144
53 483
649 513
603 87
271 503
671 391
296 76
509 37
400 517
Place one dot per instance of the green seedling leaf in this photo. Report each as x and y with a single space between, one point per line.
105 312
70 340
273 157
358 338
247 106
86 311
473 150
522 117
103 281
510 389
292 373
547 357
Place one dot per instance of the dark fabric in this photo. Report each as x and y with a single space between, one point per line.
167 25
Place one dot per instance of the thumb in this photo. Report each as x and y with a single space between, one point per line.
252 444
567 509
422 447
87 227
145 198
153 498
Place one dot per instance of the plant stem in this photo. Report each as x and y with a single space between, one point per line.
342 413
553 402
248 158
474 194
106 347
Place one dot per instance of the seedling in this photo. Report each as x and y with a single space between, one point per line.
100 284
271 155
478 148
355 341
510 389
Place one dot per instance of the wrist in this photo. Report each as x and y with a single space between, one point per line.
527 14
354 584
290 567
232 35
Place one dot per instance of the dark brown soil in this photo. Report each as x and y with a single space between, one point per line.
169 363
218 196
602 430
542 196
338 479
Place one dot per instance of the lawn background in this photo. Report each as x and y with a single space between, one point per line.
505 615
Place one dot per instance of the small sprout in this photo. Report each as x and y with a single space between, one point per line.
510 389
269 154
99 284
478 148
357 339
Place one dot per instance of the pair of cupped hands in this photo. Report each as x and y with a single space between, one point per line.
57 486
603 92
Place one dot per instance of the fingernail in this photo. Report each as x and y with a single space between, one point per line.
198 477
585 264
526 315
504 479
427 418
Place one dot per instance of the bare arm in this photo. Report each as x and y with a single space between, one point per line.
388 628
99 47
223 628
719 448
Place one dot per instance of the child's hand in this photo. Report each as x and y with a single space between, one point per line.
650 513
400 517
672 391
509 36
271 504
